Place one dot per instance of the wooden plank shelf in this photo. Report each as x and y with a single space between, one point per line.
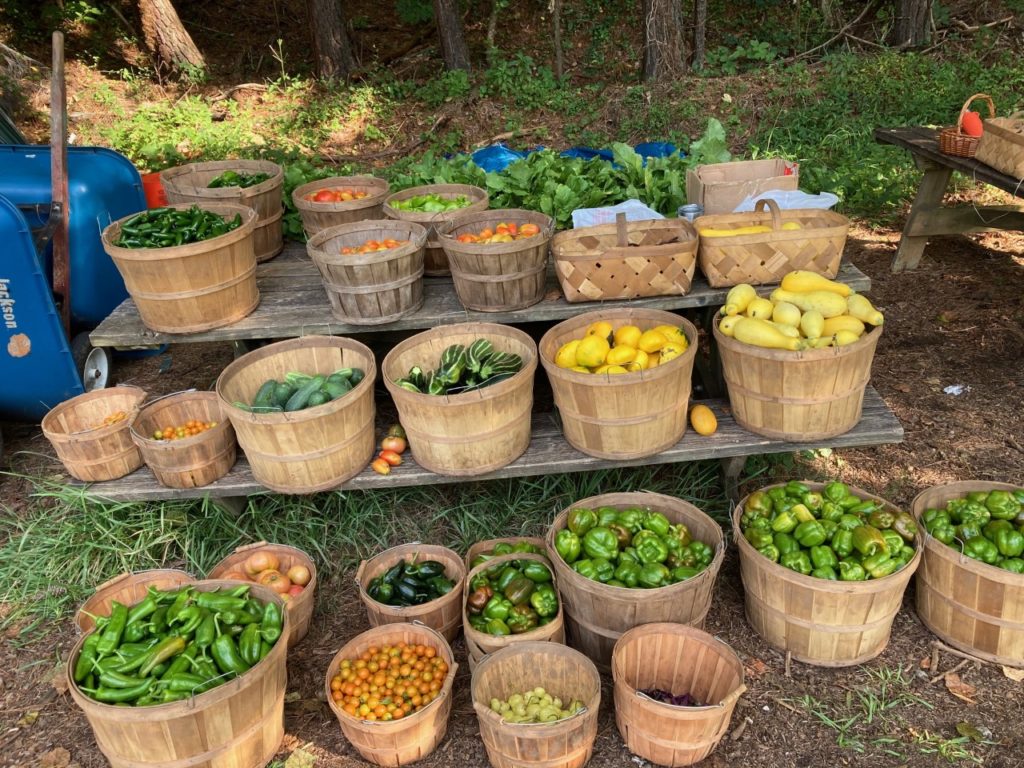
293 303
548 454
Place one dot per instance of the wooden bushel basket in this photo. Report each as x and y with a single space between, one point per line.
310 450
194 287
479 644
239 724
626 260
597 615
189 462
371 288
1002 145
626 415
300 607
560 671
89 451
443 614
766 257
498 277
483 547
435 259
678 659
971 605
319 216
128 589
817 621
470 433
188 184
413 737
797 396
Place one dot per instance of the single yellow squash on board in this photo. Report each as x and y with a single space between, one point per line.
703 420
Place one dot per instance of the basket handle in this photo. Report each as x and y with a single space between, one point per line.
621 230
111 582
967 105
247 547
733 695
773 208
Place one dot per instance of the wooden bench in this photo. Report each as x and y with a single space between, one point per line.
293 303
927 215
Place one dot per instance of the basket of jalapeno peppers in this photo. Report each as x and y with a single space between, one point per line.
824 568
509 598
150 677
414 582
970 588
625 559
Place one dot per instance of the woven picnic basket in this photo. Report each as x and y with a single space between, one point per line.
765 257
953 140
1002 145
626 260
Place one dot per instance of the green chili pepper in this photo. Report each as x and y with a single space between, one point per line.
164 650
111 637
86 657
142 610
135 632
249 644
117 695
114 679
219 602
225 654
270 628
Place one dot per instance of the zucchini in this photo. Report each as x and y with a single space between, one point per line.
358 374
336 389
265 394
300 399
477 353
318 398
282 392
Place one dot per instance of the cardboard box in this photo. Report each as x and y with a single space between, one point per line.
723 186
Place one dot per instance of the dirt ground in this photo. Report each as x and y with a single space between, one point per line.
957 320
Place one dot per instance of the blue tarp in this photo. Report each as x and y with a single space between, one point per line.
497 157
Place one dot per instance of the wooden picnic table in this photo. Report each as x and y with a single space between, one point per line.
927 215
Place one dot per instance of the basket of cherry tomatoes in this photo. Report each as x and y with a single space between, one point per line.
288 571
339 200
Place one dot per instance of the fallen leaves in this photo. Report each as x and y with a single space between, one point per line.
300 758
962 690
29 718
755 668
55 758
1017 675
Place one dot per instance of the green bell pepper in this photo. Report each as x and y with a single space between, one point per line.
868 540
502 548
797 561
812 500
497 607
771 552
893 541
880 565
905 526
785 522
604 569
1002 505
971 512
600 541
585 568
656 523
568 546
842 542
823 557
518 591
544 600
801 513
882 519
632 519
796 488
536 572
650 548
851 571
680 533
970 529
785 543
507 576
654 575
1013 565
1009 542
629 554
809 533
827 572
702 552
581 520
776 494
980 548
522 619
683 573
497 627
478 622
831 511
830 527
930 515
758 503
606 515
758 538
836 492
848 522
628 573
989 529
942 530
622 534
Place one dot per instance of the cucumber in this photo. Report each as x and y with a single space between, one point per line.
317 398
297 379
300 399
335 389
342 373
358 374
265 394
282 392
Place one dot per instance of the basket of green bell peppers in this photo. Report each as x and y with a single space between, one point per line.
633 548
987 526
831 533
513 593
504 546
176 643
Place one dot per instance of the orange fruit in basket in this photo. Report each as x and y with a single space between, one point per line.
972 124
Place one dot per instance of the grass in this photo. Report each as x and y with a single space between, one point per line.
66 543
873 719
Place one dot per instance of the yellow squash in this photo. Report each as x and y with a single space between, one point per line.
727 324
828 303
802 281
761 333
786 314
812 324
738 298
842 323
760 308
862 309
703 420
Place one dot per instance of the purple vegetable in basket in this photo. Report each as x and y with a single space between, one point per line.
683 700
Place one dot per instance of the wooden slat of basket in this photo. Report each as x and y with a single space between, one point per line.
1002 145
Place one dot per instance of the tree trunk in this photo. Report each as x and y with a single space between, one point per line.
449 27
331 46
913 23
663 39
167 39
700 28
556 20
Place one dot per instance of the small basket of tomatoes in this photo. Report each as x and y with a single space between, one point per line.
498 258
339 200
288 571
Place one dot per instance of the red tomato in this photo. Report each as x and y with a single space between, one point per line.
390 457
395 444
380 466
294 590
324 196
529 230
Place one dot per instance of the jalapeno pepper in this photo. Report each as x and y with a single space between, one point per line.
167 648
249 644
227 657
270 628
111 637
86 658
117 695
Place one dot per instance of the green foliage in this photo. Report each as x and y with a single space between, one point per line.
521 81
448 86
745 56
415 11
